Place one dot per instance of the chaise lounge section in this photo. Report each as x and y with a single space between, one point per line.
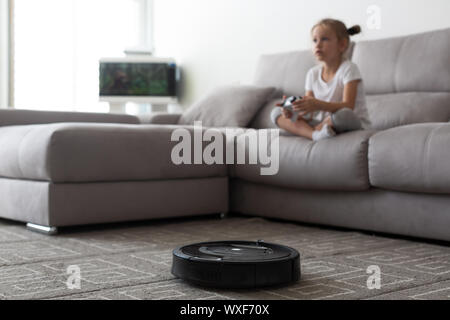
63 174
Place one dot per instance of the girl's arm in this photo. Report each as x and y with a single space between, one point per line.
311 104
309 94
349 99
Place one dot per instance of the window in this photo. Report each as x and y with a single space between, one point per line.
58 43
4 53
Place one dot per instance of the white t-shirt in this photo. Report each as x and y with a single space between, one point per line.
333 91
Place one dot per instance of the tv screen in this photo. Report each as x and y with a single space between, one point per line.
140 79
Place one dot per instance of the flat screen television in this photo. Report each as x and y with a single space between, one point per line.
138 79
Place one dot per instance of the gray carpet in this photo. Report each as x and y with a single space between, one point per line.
132 261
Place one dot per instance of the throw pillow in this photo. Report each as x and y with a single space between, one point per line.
228 106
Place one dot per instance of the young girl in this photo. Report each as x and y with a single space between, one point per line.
335 99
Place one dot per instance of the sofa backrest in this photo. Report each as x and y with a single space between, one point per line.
284 71
406 79
419 62
287 71
13 117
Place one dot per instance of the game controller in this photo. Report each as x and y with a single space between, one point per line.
287 104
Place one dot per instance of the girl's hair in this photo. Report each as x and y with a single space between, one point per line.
339 27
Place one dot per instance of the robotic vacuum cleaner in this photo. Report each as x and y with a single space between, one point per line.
236 264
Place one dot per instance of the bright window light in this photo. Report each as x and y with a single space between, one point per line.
57 46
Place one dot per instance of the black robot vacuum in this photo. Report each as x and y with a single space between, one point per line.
236 264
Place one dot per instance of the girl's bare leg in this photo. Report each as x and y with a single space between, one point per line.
300 127
327 121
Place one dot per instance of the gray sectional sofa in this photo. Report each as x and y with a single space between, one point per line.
65 169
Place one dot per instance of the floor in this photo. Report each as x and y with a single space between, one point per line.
133 261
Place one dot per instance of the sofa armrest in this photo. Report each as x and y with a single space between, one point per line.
160 118
15 117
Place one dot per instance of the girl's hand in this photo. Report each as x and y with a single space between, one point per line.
281 103
287 113
306 105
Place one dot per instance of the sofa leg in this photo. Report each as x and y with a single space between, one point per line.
50 231
223 215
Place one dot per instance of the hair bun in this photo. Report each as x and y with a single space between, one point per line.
354 30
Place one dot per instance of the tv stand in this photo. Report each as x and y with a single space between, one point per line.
117 107
162 107
121 107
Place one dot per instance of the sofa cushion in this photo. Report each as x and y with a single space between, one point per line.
417 62
339 163
397 109
412 158
228 106
74 152
262 118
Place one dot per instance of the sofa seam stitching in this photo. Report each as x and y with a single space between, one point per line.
426 158
397 58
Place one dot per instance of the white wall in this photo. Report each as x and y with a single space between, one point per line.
218 42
